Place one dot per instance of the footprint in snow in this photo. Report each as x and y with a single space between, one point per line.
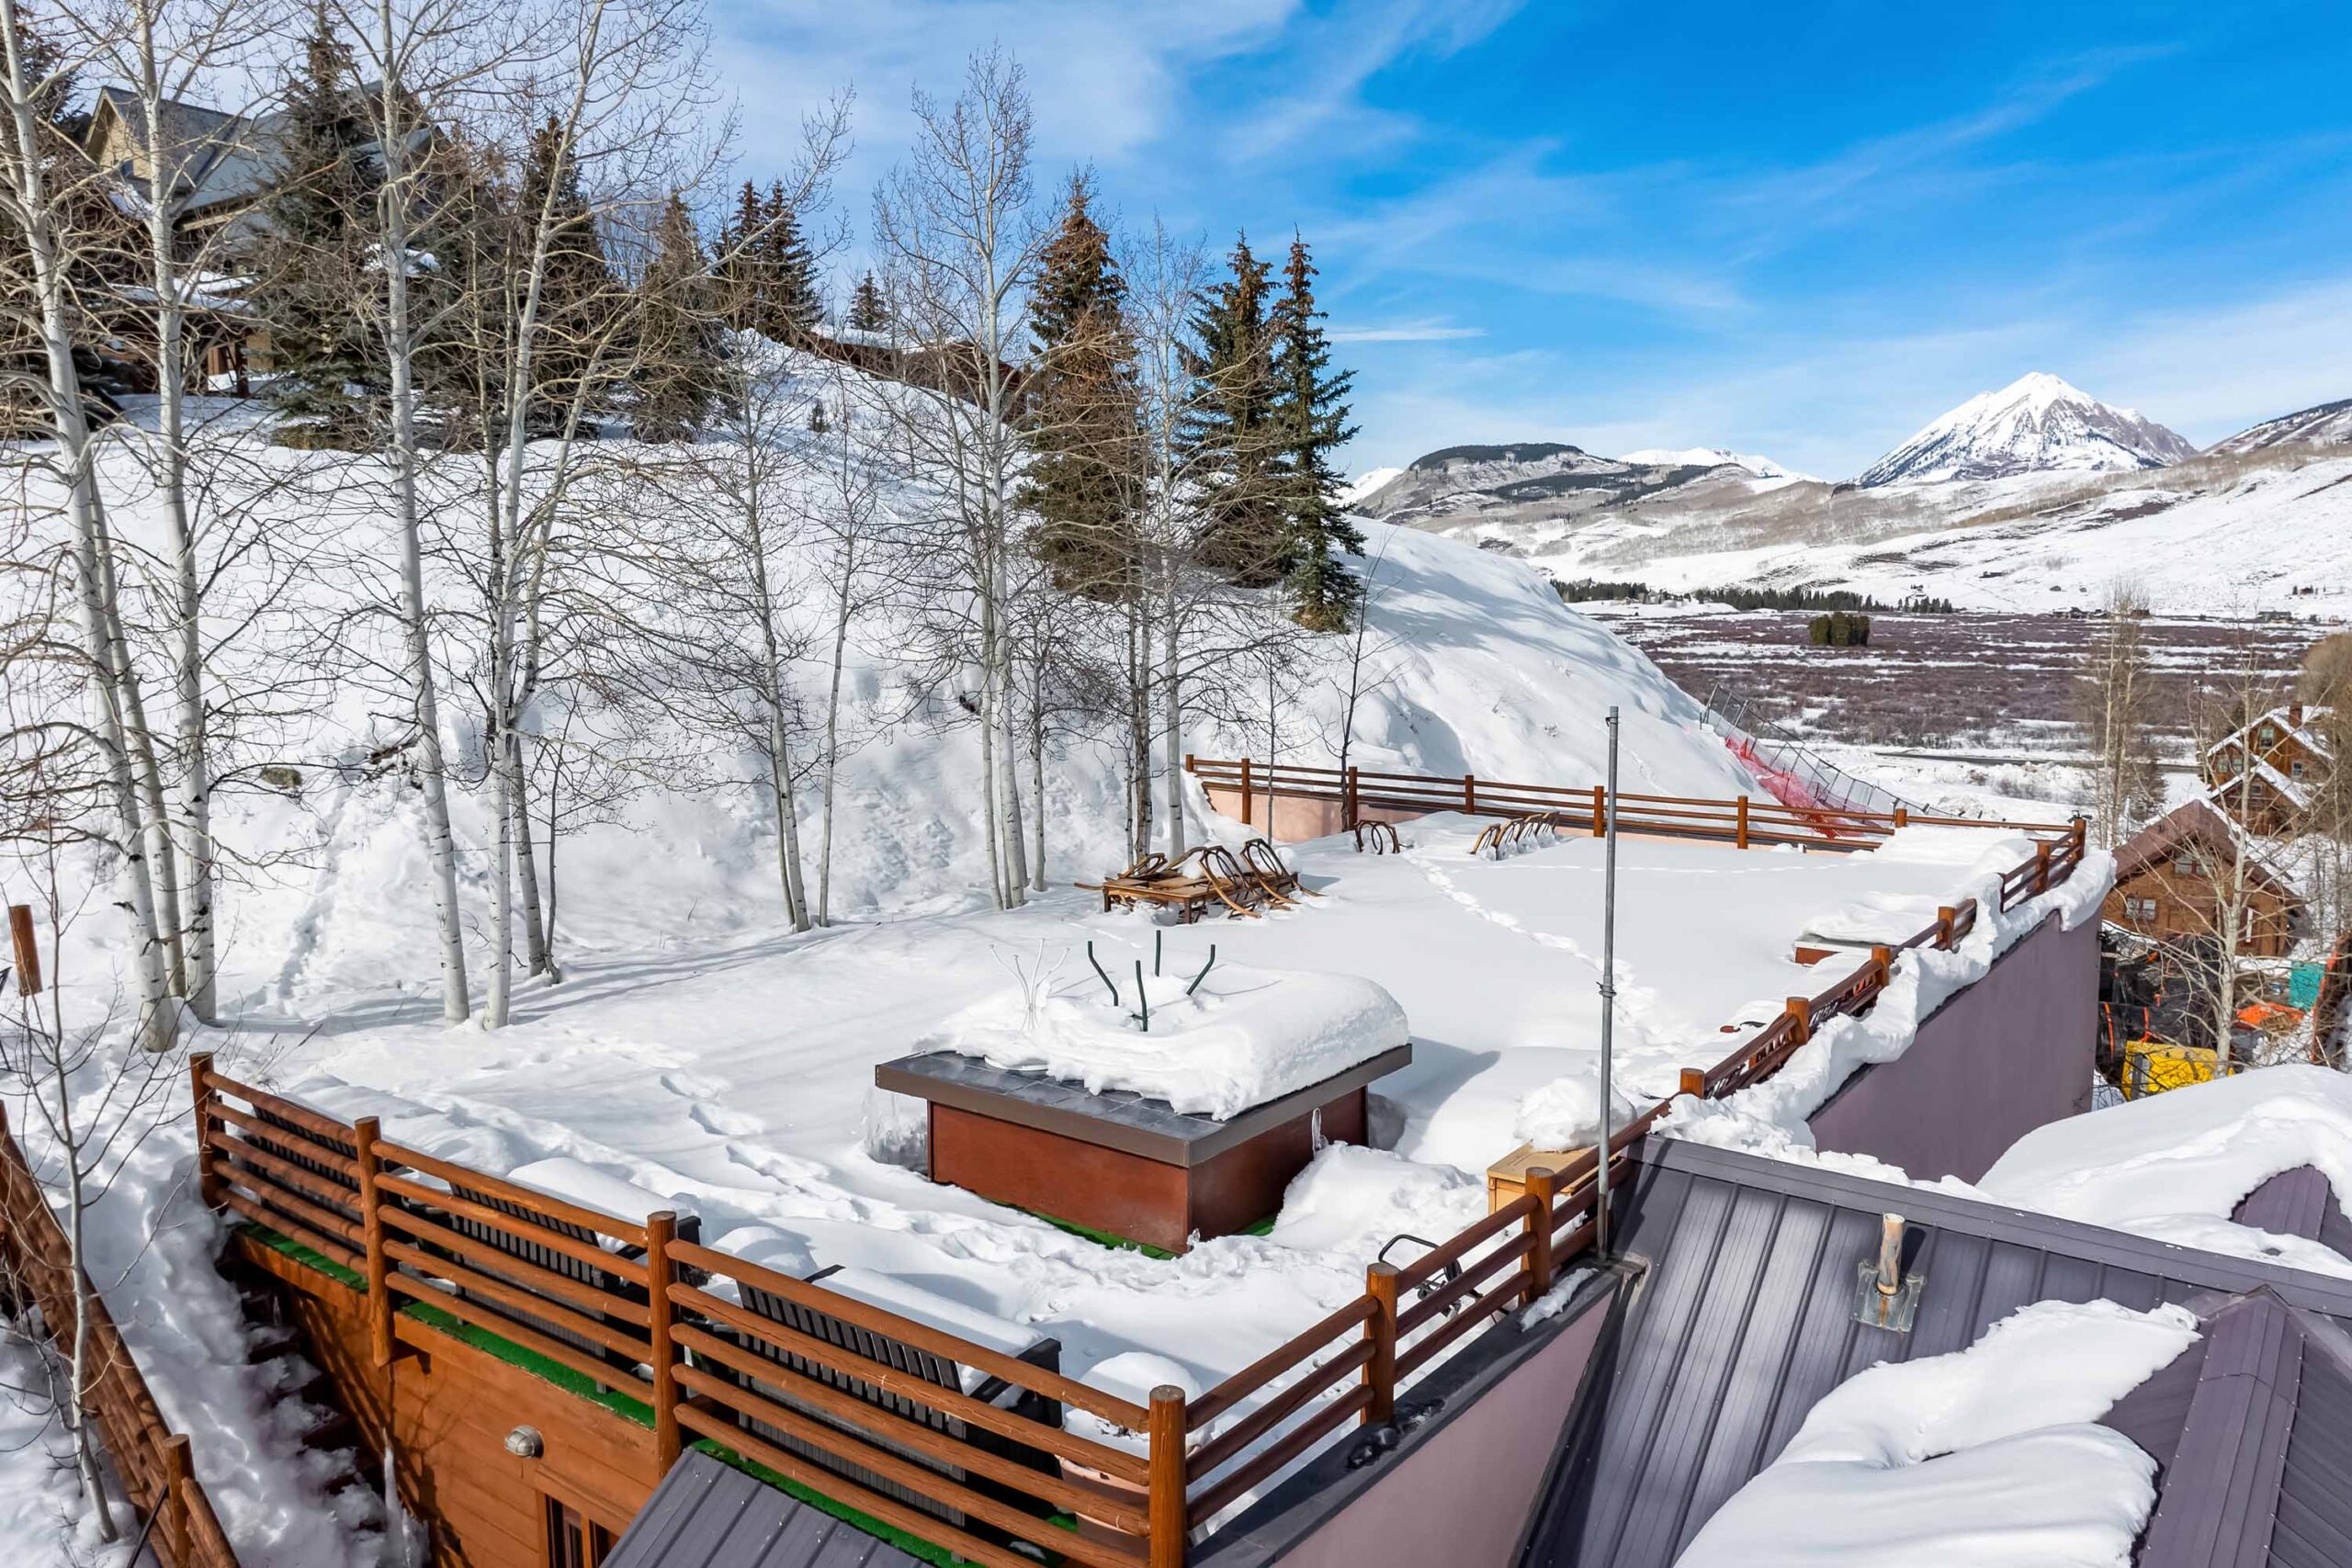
725 1124
693 1086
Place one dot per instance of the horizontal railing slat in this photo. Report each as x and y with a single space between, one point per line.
901 1384
1053 1385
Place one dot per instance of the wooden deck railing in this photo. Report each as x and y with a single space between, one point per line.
151 1459
1741 821
629 1307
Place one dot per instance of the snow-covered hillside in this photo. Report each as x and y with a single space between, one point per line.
2327 425
2035 424
2215 534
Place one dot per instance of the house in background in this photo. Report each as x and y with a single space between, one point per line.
2175 879
2267 774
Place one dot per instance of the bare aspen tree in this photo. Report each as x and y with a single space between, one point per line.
2227 714
423 61
91 1106
2118 707
45 185
952 227
597 131
847 514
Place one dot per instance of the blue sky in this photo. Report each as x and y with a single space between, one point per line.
1801 229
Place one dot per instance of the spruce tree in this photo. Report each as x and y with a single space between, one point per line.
1310 418
1231 436
317 222
678 350
867 312
1080 417
579 293
738 268
793 304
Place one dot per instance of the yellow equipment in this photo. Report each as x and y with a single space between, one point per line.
2151 1066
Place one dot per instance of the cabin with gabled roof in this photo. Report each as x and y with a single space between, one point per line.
2267 775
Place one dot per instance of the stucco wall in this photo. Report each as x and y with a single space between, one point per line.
1457 1495
1295 818
2007 1054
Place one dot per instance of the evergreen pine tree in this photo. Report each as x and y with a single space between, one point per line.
677 338
1231 436
1080 414
868 313
793 306
1310 418
737 269
317 221
579 294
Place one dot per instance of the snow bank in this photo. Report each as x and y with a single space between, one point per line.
2172 1167
1565 1113
1244 1037
1770 1118
1985 1455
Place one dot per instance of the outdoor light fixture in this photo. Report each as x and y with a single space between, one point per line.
524 1442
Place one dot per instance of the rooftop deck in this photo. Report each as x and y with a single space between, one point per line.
1488 956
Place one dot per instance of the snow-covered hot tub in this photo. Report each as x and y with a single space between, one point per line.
1068 1106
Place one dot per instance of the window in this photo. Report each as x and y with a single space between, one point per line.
2140 911
2267 736
2188 863
575 1540
2295 768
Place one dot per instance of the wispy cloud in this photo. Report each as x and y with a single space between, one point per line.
1345 49
1405 332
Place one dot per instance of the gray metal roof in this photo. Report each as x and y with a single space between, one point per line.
1747 1320
710 1514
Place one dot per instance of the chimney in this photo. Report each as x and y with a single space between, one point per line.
2294 716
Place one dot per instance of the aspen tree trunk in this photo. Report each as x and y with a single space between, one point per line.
191 823
157 1024
146 768
399 343
833 751
1172 732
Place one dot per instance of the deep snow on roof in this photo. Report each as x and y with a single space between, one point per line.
744 1080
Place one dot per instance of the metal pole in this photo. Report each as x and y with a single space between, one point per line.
1608 995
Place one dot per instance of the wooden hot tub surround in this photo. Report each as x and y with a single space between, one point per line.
1120 1163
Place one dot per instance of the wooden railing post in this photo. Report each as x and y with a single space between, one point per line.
1599 810
364 1133
1380 1372
1469 794
660 1230
1884 958
1694 1083
1245 791
1902 816
1945 916
200 1075
2041 866
179 1474
1166 1505
1739 834
1542 1186
1801 1019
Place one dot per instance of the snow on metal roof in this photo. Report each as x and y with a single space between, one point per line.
1748 1319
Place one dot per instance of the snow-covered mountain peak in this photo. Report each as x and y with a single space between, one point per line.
1712 458
2037 422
